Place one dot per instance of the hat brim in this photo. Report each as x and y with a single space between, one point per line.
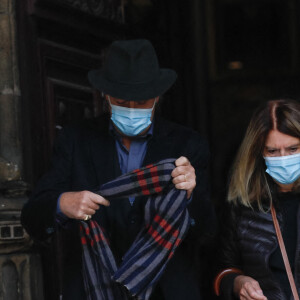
133 91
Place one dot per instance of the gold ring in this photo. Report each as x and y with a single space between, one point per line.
87 217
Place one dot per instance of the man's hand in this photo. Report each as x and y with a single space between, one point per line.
79 205
246 288
184 176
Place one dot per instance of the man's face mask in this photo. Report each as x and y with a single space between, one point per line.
131 121
284 169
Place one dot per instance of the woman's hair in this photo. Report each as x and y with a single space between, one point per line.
249 183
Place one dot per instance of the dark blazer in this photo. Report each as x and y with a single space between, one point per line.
84 158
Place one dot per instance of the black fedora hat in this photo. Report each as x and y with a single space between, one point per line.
131 72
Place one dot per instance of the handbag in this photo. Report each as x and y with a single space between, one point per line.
284 254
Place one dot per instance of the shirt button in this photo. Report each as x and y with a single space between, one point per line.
49 230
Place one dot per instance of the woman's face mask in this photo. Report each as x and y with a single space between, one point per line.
282 157
284 169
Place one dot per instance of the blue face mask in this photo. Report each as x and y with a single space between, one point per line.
284 169
131 121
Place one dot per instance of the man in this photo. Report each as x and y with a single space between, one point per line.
94 153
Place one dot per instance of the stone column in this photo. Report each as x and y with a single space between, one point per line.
20 268
10 145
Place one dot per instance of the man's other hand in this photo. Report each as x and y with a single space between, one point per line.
184 176
80 205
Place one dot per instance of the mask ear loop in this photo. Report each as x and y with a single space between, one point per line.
155 101
109 100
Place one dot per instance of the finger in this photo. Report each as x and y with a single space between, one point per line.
253 292
258 290
244 294
85 217
180 171
83 211
182 161
186 178
180 178
260 295
257 287
184 186
180 186
89 211
93 205
99 199
183 170
82 214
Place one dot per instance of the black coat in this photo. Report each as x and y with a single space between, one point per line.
84 158
248 240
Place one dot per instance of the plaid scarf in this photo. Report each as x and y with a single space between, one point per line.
166 222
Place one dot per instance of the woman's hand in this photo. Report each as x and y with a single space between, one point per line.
246 288
184 176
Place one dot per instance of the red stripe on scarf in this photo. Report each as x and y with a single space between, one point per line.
100 236
178 241
142 182
155 179
155 235
165 225
87 231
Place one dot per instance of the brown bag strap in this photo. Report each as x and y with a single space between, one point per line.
284 254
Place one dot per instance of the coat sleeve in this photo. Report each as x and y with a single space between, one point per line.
39 213
228 254
201 208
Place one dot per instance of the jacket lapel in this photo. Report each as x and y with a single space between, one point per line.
160 145
104 156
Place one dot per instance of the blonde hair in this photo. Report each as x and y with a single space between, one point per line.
249 183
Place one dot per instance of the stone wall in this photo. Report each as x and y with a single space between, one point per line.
10 144
20 268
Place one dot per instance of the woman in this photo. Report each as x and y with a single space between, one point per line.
266 172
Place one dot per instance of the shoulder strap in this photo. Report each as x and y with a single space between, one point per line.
284 254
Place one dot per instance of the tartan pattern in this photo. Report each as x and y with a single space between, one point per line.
166 223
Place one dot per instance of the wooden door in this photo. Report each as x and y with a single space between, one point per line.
58 43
